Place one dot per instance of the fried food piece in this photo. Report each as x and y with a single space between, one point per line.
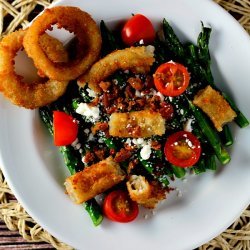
23 94
145 193
136 59
94 180
53 48
74 20
136 124
215 106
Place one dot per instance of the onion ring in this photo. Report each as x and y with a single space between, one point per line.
23 94
136 59
53 48
74 20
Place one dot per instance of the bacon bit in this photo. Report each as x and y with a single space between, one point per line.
149 82
104 86
115 92
112 151
145 92
128 147
166 110
136 83
154 103
111 110
100 153
155 145
122 155
141 102
89 157
105 100
132 165
131 105
121 106
99 126
129 92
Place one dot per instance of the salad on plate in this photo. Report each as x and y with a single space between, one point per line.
135 110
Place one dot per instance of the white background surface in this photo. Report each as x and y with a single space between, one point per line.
210 203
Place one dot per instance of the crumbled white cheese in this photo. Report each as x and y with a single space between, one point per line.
128 141
100 140
83 159
145 152
141 42
160 95
115 81
150 49
179 193
91 113
187 126
74 143
91 137
138 93
189 143
140 142
86 131
91 92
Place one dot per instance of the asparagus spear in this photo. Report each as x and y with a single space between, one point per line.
71 161
204 56
109 41
200 70
178 172
210 134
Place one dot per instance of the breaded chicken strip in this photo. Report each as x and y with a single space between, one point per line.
215 106
136 59
145 193
136 124
94 180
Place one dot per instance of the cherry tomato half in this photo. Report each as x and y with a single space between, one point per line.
137 28
171 79
182 149
65 128
119 207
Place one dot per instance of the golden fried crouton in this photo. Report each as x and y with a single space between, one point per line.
215 106
145 193
94 180
136 124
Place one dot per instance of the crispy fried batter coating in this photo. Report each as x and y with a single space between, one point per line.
74 20
94 180
145 193
53 48
23 94
136 59
136 124
215 106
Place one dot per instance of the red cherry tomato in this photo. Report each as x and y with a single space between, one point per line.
171 79
119 207
137 28
182 149
65 128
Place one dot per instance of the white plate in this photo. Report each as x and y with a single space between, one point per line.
210 203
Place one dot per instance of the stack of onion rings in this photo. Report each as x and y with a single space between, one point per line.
49 56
